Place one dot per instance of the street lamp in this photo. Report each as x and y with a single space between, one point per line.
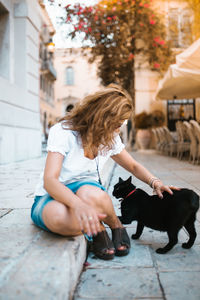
50 46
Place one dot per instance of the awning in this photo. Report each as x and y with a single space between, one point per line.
190 58
182 79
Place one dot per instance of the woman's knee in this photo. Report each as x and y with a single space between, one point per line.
60 219
95 197
54 216
103 200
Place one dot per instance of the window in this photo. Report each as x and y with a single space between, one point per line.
185 28
69 107
173 26
51 91
180 110
49 88
40 51
4 42
179 26
69 76
41 82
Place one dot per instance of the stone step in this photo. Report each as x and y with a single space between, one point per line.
36 264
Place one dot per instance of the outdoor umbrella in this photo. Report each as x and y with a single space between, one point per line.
182 80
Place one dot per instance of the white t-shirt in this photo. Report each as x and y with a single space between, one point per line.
75 167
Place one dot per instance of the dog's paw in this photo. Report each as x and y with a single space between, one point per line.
135 236
186 246
161 251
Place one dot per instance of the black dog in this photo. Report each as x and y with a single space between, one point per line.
169 214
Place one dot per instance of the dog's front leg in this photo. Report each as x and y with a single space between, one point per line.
139 230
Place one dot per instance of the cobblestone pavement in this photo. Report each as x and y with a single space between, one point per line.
144 274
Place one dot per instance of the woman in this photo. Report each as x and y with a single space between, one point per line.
70 199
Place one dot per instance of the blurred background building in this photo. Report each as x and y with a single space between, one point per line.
178 20
76 78
180 23
48 75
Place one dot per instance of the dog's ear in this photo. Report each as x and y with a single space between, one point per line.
129 179
120 180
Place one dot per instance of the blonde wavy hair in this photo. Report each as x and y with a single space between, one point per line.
98 116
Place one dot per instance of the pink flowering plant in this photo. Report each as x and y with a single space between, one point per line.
116 32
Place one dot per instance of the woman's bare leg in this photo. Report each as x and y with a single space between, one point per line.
60 219
101 201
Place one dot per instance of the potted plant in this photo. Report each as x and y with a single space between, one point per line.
158 118
143 124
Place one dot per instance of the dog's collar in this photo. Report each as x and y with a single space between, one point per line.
133 191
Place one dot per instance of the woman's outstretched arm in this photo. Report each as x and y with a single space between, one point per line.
125 160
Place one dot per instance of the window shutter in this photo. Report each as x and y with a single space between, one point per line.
174 27
185 28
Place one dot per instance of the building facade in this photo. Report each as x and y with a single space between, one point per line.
178 19
20 135
48 75
76 78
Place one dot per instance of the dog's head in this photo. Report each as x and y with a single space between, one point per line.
129 209
123 188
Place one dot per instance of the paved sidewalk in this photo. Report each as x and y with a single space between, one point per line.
38 265
144 274
34 264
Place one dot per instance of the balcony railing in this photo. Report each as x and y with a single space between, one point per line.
48 68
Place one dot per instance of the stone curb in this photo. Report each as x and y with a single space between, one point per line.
77 265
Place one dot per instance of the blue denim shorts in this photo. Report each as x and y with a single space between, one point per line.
41 201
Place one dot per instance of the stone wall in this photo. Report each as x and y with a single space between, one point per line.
20 136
